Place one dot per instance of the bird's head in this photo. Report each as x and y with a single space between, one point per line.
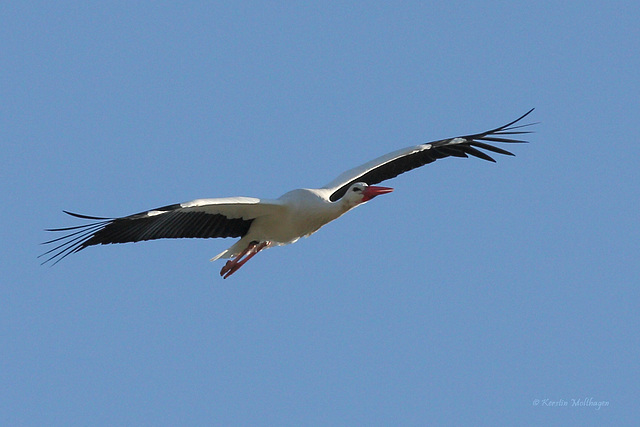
361 192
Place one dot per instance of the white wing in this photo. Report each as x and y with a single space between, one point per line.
202 218
406 159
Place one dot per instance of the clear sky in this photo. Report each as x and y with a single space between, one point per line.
472 292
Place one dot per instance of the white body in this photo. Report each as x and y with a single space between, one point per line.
298 213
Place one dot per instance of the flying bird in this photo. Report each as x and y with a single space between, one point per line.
262 223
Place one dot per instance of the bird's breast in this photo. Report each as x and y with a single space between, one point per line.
304 213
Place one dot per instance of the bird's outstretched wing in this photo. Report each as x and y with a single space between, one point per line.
202 218
406 159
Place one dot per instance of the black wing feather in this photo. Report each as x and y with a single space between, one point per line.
173 223
441 149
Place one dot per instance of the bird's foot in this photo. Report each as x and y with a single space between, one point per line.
234 264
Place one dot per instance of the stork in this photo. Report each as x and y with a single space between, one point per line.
263 223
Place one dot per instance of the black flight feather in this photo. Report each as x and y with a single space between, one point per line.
172 222
440 149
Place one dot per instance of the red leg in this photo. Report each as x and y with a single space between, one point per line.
232 262
234 265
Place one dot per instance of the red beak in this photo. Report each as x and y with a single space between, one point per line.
372 191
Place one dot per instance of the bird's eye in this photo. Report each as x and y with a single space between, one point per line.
356 189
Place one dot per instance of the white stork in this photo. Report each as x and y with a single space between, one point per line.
264 223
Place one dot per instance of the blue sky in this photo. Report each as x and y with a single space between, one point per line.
470 292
